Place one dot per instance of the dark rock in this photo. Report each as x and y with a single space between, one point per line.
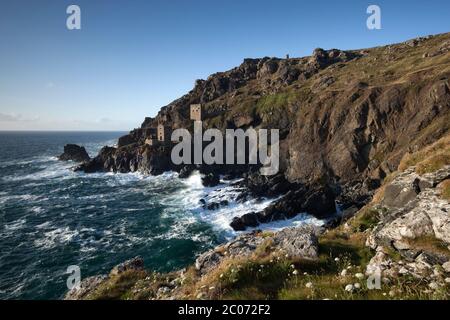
126 140
212 206
318 201
258 185
185 172
73 152
102 162
397 195
210 180
268 67
237 224
246 220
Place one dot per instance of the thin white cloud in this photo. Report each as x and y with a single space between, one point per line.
104 120
13 117
50 85
9 117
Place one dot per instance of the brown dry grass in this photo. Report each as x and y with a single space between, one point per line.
445 189
429 158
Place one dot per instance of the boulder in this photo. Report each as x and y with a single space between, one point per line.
185 172
246 220
73 152
423 214
300 242
446 266
102 162
210 180
268 67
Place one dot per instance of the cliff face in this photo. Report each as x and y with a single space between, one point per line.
368 128
396 247
345 117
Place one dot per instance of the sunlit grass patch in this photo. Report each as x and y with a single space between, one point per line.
445 189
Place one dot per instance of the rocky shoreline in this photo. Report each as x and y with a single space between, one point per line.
397 237
363 133
343 128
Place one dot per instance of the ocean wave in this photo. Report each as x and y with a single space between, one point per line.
56 170
15 225
16 198
57 236
188 198
31 161
97 214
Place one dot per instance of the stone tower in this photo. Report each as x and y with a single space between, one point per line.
196 112
164 132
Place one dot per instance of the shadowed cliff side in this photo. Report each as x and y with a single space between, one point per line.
345 120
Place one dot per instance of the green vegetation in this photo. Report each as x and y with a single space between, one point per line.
269 274
118 287
272 102
367 218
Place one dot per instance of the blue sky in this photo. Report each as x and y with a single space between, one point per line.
132 57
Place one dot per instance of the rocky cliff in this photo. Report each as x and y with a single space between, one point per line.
396 247
345 118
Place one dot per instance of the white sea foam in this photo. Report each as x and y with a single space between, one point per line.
18 198
37 209
57 236
15 225
33 160
57 170
44 225
188 198
181 205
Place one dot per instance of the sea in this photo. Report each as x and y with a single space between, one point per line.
52 218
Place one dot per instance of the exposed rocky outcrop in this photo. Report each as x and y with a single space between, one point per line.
316 200
73 152
146 159
413 212
406 228
136 263
300 242
87 286
210 180
413 208
90 284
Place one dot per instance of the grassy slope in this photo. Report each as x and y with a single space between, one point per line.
269 275
382 67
